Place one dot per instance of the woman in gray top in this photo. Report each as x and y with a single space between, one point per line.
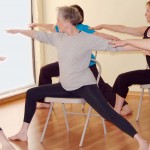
76 79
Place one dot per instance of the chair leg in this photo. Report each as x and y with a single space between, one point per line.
140 103
85 126
83 105
65 115
104 126
47 120
149 92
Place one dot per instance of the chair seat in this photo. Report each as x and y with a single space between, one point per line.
145 86
65 100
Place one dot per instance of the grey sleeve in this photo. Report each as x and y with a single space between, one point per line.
44 37
100 44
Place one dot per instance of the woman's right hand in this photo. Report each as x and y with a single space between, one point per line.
33 25
2 58
120 43
13 31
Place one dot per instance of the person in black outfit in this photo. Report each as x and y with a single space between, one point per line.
124 80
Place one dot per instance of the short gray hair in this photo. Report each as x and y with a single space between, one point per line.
70 14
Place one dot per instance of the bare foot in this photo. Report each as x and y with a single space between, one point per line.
144 146
126 110
43 105
19 136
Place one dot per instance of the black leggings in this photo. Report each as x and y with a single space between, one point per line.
124 80
52 70
0 128
90 93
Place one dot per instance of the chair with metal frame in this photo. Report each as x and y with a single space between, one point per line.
143 87
64 101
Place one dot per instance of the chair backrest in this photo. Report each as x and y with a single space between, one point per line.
99 69
95 54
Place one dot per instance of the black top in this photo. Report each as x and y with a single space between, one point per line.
146 37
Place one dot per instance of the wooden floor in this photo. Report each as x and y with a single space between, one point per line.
57 138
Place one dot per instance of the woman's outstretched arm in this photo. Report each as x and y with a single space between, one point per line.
135 43
45 27
29 33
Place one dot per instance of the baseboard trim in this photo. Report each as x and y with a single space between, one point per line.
13 98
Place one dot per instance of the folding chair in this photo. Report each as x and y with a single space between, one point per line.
143 87
53 100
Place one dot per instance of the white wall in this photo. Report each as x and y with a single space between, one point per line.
128 12
17 70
